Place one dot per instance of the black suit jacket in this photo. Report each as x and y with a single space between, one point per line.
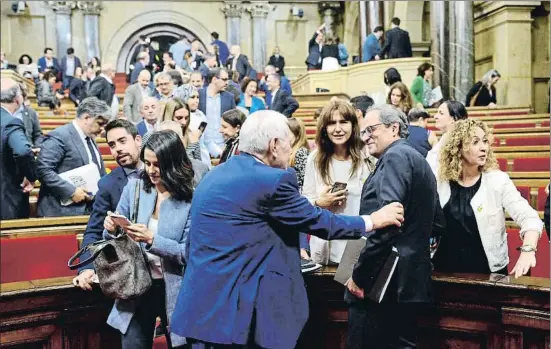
32 126
314 53
17 162
102 89
242 66
402 175
279 63
284 103
397 44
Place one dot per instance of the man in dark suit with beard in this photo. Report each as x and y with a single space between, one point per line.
402 175
281 100
397 42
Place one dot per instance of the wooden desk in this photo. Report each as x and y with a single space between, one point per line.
470 311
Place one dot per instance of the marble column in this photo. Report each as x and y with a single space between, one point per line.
259 11
462 44
91 11
439 11
375 14
63 10
364 31
233 10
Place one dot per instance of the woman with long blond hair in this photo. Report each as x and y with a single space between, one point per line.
300 150
338 158
400 97
474 195
177 110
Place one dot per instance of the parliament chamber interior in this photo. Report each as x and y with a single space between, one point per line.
40 307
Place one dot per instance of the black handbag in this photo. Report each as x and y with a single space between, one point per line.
120 263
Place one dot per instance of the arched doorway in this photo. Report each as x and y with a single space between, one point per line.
165 34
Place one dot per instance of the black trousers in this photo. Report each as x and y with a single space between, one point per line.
382 326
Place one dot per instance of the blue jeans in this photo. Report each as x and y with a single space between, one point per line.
66 81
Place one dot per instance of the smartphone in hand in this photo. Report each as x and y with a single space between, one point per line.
202 127
338 186
120 220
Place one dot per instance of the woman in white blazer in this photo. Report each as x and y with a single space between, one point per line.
474 195
338 158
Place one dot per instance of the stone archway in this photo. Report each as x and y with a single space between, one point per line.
156 30
111 52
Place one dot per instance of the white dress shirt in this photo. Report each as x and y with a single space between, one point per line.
83 139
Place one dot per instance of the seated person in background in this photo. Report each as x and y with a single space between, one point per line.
282 101
419 137
421 88
483 93
45 94
448 113
26 65
76 86
474 195
232 120
66 148
177 110
400 97
124 144
150 110
249 100
337 158
161 228
199 168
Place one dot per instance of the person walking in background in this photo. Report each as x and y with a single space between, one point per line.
372 47
223 50
397 42
315 45
69 65
483 93
343 52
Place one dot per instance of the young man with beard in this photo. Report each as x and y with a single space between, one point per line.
124 143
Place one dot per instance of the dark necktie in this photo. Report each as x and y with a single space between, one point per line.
92 150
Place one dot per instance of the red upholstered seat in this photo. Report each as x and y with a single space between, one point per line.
310 131
36 258
104 149
524 192
515 125
534 140
502 164
545 123
531 164
542 255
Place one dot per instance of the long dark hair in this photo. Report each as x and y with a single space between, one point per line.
457 110
174 164
392 76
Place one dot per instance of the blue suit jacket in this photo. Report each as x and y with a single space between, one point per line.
142 129
256 104
227 101
42 64
107 198
138 67
243 274
371 48
16 162
224 52
285 86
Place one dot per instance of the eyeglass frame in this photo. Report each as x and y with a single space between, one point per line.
367 131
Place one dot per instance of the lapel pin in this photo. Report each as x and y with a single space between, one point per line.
479 209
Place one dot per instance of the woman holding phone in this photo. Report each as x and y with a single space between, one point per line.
335 172
161 228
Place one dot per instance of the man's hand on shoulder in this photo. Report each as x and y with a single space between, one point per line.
391 214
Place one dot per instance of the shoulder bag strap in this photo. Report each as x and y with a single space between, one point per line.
475 97
94 248
135 208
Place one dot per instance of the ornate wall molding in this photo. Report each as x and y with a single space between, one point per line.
260 9
232 9
62 7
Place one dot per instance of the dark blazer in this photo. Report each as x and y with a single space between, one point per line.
32 126
227 101
279 63
76 89
138 67
484 98
284 103
243 273
102 89
397 44
63 65
204 70
142 128
42 64
314 54
242 66
330 51
62 150
107 198
402 175
223 49
17 163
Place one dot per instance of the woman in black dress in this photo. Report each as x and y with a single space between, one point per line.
483 93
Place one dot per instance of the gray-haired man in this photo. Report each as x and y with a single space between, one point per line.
402 175
66 148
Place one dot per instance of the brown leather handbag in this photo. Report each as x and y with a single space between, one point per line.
120 263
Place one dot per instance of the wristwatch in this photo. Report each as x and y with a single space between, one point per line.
527 248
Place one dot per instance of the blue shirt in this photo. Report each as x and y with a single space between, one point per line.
178 50
213 138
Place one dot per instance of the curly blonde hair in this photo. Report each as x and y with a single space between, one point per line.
458 139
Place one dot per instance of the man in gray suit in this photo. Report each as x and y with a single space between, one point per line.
17 158
134 96
66 148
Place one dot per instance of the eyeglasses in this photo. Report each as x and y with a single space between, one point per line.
163 83
369 130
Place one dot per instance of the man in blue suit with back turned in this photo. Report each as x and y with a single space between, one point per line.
243 284
124 143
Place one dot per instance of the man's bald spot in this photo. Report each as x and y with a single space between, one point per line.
7 83
145 74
